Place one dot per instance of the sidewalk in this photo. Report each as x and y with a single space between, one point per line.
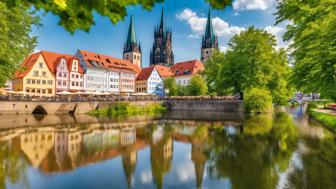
325 111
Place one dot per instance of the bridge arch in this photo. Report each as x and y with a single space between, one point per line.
39 110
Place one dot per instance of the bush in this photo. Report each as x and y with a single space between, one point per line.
197 86
257 100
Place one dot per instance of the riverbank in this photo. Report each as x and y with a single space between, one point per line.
126 109
327 118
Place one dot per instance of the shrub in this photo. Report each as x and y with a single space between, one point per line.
197 86
257 100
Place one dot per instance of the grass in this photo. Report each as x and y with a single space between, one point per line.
326 119
125 109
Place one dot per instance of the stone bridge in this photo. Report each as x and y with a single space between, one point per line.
40 107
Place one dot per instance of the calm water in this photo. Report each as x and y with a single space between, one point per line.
178 150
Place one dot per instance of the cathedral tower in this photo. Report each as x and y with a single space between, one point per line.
162 52
132 49
209 40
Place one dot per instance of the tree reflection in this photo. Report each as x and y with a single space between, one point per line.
318 169
12 164
252 158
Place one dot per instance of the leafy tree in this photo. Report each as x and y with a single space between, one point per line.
312 30
252 61
15 40
197 86
78 14
170 84
257 100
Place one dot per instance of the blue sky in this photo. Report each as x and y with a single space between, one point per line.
185 18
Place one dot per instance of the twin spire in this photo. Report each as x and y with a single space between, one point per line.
209 39
132 44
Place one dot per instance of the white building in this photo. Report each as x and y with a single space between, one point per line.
107 74
184 71
148 80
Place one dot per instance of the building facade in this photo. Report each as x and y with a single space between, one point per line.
162 51
76 75
62 74
36 76
149 81
104 73
209 40
132 49
184 71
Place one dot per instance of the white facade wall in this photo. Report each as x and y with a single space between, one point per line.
113 82
75 78
96 80
153 81
183 80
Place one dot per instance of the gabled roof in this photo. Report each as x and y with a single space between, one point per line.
164 71
190 67
145 73
69 64
50 59
95 60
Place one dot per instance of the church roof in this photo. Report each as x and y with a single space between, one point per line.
209 32
131 37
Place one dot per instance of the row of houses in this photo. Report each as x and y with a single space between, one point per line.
47 73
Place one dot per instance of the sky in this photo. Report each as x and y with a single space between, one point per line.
186 18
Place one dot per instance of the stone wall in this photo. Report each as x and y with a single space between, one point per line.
23 107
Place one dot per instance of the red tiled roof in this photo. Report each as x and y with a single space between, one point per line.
108 62
69 63
50 59
190 67
145 73
164 71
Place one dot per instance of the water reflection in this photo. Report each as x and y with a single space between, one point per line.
266 151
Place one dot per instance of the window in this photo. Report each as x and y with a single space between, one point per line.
35 73
50 82
64 83
38 91
49 91
44 74
28 81
44 82
43 91
38 81
59 74
77 76
59 83
33 81
41 65
64 74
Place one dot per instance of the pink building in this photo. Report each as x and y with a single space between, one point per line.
69 74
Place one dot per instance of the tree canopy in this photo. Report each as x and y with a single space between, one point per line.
312 30
252 61
197 86
79 14
15 39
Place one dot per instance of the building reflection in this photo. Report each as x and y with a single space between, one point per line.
129 161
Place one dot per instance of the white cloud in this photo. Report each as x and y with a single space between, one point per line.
223 48
253 4
278 32
197 24
146 177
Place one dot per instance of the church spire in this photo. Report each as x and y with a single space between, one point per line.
209 33
131 37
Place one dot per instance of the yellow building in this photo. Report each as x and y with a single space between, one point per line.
36 74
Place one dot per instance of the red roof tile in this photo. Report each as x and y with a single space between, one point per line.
93 59
50 59
145 73
190 67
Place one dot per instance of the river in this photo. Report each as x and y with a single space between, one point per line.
176 150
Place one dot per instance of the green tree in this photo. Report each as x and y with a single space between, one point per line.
78 14
252 61
257 100
312 30
15 39
197 86
170 84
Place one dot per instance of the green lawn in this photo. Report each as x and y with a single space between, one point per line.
326 119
